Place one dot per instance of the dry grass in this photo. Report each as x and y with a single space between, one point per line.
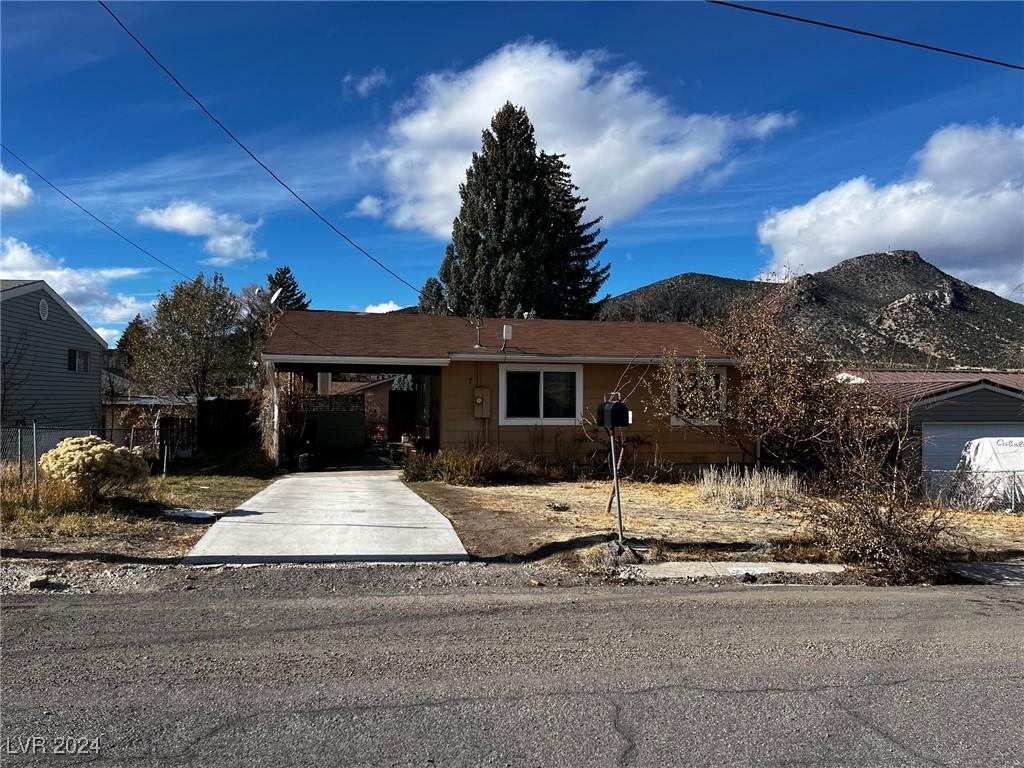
749 488
66 520
496 520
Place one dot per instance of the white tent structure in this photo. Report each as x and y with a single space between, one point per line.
990 473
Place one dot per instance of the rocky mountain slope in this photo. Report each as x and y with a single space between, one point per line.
880 308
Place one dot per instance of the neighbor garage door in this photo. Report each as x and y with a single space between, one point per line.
943 443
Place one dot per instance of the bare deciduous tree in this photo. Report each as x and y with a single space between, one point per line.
785 402
854 440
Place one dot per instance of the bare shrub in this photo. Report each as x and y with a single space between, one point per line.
874 512
750 488
790 404
481 466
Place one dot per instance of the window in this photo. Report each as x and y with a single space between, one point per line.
540 394
78 360
720 378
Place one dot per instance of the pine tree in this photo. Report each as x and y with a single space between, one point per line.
134 334
292 297
432 300
132 340
572 272
520 242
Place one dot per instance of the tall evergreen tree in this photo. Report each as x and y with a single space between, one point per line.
132 339
520 241
432 300
573 274
134 334
292 297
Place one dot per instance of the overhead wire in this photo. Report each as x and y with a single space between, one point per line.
89 213
231 135
866 33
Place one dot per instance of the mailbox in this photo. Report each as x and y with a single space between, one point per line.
613 414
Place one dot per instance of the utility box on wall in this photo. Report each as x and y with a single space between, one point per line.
482 402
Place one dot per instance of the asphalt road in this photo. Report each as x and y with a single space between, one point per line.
408 667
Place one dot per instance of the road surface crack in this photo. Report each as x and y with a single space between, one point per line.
890 738
625 733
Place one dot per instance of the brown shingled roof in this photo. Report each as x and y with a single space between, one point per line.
357 334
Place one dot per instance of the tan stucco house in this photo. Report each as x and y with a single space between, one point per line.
530 386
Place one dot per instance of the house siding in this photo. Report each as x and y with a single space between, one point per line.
982 405
652 437
47 392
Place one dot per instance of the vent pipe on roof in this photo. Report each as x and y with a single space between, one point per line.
478 323
506 336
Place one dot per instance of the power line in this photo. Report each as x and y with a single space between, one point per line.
251 154
127 239
89 213
865 33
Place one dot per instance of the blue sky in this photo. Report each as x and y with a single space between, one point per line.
711 140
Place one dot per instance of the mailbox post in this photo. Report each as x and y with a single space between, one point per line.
611 414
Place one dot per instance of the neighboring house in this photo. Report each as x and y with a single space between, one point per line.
534 394
51 359
135 418
952 407
376 397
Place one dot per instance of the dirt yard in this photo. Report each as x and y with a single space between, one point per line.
497 520
127 529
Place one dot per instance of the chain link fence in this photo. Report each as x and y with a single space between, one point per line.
21 446
24 441
971 489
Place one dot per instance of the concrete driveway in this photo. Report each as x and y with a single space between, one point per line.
331 516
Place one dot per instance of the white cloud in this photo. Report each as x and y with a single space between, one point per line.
87 290
387 306
369 206
110 335
364 85
961 209
228 237
626 145
14 191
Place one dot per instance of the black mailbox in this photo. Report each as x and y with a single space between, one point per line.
613 414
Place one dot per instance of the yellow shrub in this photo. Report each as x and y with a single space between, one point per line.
94 466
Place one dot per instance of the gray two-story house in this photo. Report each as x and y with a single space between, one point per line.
51 360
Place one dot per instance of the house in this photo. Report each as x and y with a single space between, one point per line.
51 360
135 418
952 407
530 386
377 397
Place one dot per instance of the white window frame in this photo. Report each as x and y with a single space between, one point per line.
723 374
541 368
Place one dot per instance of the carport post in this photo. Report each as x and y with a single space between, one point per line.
276 442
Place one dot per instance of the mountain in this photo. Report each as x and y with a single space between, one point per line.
880 308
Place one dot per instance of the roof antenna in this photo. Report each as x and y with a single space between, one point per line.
478 323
